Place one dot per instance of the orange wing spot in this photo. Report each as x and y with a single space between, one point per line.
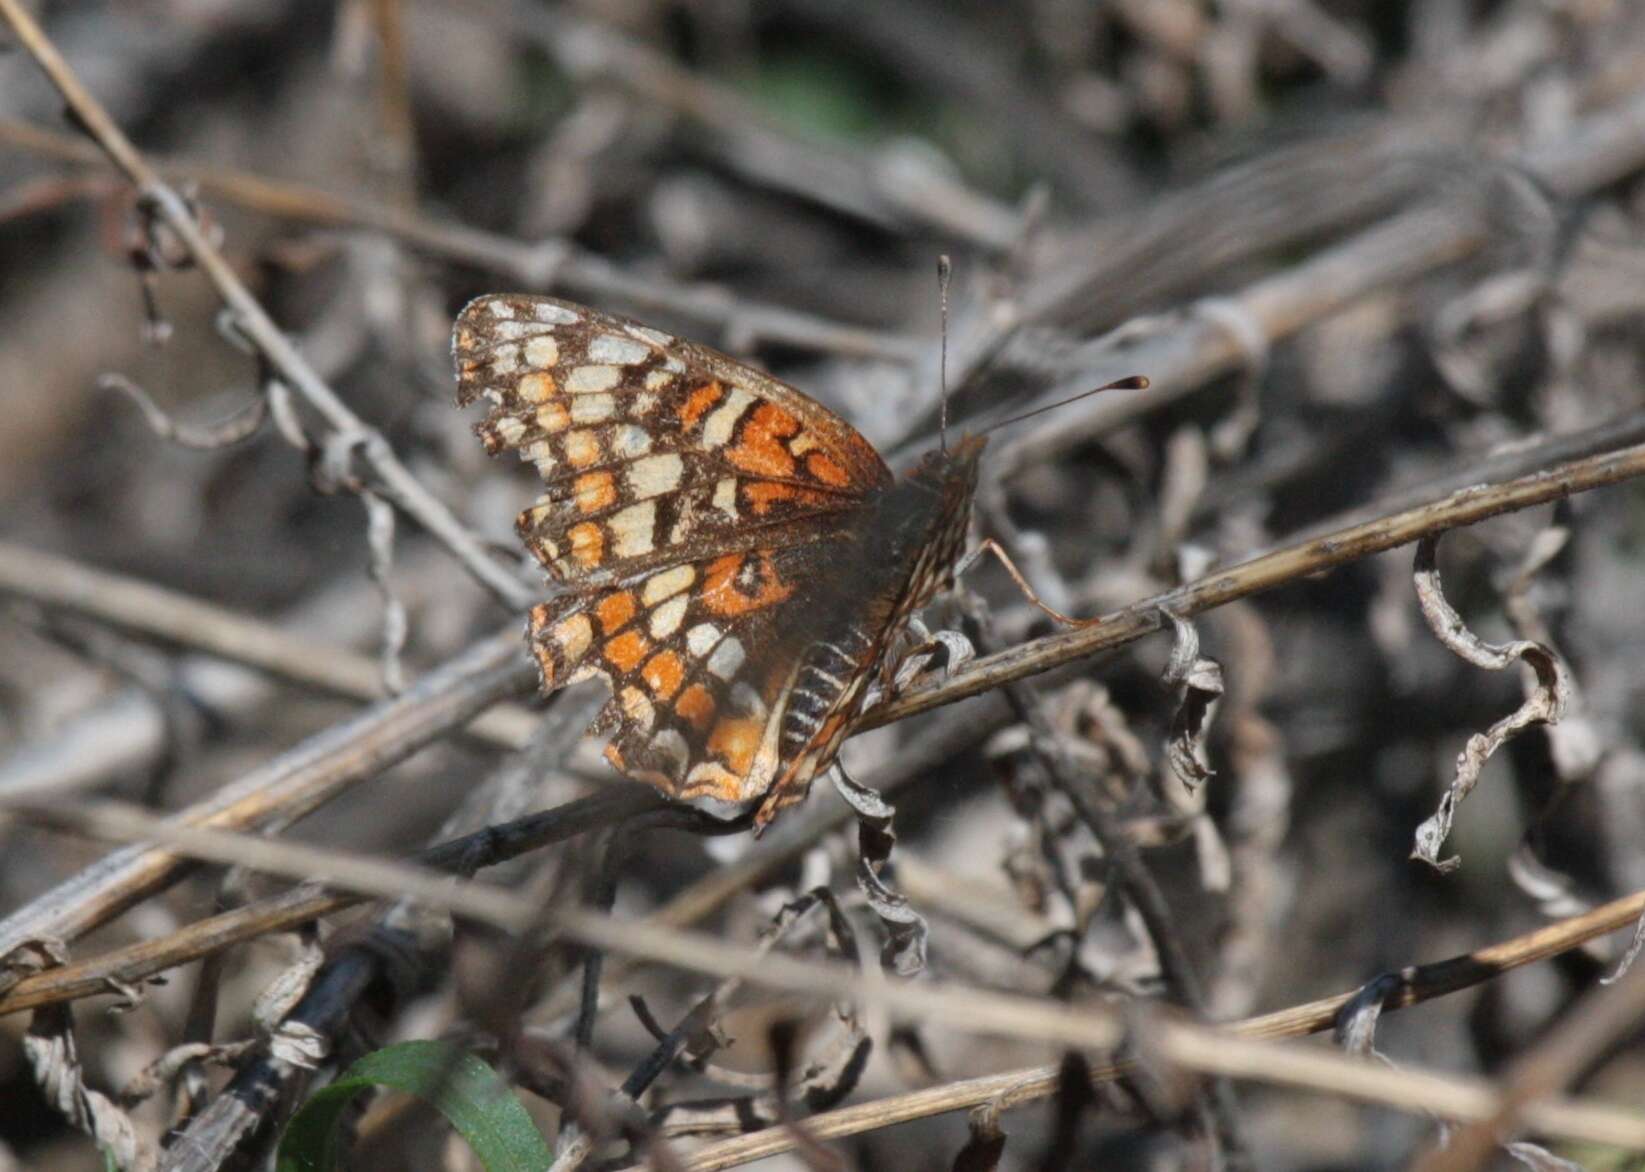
738 584
553 417
735 740
664 673
595 491
696 705
626 650
827 469
698 403
587 544
762 494
615 610
761 450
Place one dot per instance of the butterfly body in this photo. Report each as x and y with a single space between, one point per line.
736 560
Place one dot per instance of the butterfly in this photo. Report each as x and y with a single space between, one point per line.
737 562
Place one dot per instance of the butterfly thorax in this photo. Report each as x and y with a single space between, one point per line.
926 515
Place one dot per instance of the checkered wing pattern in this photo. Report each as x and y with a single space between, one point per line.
651 449
698 512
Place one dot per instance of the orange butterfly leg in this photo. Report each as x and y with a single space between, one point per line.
989 545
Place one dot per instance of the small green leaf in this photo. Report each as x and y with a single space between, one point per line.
465 1090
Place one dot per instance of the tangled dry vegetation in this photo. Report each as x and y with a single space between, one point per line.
260 602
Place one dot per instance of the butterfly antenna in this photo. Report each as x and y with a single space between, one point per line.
945 269
1135 382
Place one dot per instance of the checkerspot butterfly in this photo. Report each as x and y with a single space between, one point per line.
737 559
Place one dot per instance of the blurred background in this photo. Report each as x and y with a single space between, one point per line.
1368 253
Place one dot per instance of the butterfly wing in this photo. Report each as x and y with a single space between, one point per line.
651 450
699 513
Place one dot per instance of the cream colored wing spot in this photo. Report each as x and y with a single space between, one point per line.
581 448
593 408
637 707
655 475
655 337
542 351
511 429
574 635
656 380
671 744
642 404
722 421
540 453
666 619
667 584
615 348
725 496
501 309
631 529
555 314
588 380
506 360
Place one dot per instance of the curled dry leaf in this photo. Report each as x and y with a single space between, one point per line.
1545 705
906 930
1199 687
1355 1029
55 1061
159 1074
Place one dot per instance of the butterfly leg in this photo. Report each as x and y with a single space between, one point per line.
989 545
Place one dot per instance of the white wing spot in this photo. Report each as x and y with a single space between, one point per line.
666 619
631 529
629 441
506 360
667 584
725 496
727 658
589 379
637 706
700 639
655 337
655 475
574 635
656 380
669 743
642 403
616 348
501 309
511 429
745 699
723 420
592 408
540 453
557 314
542 351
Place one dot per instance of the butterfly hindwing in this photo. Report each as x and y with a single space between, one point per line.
701 659
650 449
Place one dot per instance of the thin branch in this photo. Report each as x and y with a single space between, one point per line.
173 617
1417 984
293 784
550 263
1289 564
255 324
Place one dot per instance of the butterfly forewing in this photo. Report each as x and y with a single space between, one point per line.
650 449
